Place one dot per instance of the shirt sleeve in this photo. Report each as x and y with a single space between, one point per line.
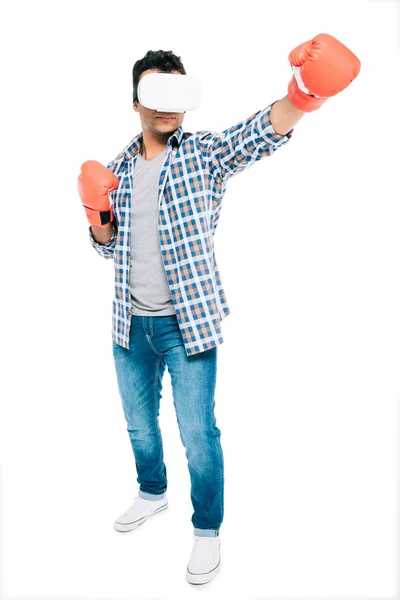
105 250
238 147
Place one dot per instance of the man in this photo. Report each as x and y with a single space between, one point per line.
166 189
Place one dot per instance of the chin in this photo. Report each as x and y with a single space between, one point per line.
168 129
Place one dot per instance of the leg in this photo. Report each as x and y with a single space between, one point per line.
139 373
193 380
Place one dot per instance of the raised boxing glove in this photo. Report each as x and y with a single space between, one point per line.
322 67
94 183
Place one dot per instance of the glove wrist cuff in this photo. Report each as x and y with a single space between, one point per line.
301 100
99 218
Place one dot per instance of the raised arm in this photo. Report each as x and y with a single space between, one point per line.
322 67
238 147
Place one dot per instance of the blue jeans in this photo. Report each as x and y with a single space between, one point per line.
156 342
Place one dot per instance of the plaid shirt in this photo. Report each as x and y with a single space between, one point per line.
191 186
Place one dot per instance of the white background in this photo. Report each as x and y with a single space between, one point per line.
309 252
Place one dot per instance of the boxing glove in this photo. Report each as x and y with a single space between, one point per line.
322 67
94 183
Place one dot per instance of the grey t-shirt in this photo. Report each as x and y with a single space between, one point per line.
149 289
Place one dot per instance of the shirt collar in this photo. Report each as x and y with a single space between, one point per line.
134 145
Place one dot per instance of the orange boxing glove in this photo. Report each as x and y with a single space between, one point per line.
94 183
322 68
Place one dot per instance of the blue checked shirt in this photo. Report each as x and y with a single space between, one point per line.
193 178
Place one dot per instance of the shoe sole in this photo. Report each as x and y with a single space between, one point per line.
123 527
202 578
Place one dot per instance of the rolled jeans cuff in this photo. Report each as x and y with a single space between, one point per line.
206 532
147 496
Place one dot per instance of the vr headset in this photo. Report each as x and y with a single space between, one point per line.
169 92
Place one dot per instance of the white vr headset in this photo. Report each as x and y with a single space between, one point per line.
169 92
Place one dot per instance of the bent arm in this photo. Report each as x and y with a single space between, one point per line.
106 247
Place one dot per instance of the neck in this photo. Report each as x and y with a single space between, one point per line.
152 144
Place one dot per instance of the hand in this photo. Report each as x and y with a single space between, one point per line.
322 68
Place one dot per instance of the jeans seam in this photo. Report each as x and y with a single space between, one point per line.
217 441
222 483
149 337
156 404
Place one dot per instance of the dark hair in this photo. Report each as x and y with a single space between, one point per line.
165 60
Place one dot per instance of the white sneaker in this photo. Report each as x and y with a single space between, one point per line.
139 512
204 560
